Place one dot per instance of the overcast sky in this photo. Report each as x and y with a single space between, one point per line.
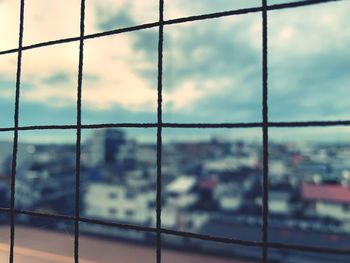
212 68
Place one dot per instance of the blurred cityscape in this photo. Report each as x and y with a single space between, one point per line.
209 187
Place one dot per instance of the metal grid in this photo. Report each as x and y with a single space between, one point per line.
158 230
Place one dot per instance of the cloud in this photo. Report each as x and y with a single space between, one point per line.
224 72
59 77
309 62
125 75
112 21
110 14
117 65
182 8
212 68
9 16
46 20
308 30
113 61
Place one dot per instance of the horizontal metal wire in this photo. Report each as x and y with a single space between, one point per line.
182 233
170 22
183 125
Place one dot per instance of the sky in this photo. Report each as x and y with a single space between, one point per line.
211 69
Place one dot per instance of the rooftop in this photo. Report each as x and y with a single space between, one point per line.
326 192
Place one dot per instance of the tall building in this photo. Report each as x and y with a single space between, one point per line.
103 146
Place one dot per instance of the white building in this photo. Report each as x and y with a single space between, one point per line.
119 203
279 202
229 196
230 163
179 192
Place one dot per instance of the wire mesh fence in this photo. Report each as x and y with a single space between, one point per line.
159 125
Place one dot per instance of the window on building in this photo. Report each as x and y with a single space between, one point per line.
112 195
112 211
129 212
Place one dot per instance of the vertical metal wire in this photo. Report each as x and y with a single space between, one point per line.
15 136
265 134
159 129
78 142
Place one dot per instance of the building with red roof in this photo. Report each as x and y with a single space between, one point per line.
327 200
326 192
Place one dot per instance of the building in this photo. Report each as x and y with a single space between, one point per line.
327 200
119 203
45 180
103 146
180 192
